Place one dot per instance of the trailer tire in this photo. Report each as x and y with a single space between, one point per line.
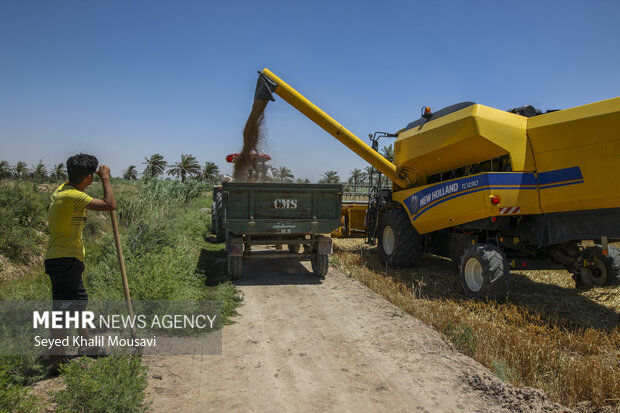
320 264
400 245
218 228
484 272
294 248
606 269
235 266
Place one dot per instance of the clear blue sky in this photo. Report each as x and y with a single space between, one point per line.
125 79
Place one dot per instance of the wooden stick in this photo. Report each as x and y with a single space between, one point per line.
121 263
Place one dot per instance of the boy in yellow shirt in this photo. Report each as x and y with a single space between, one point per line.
64 260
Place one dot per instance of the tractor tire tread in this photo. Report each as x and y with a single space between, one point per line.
495 272
408 245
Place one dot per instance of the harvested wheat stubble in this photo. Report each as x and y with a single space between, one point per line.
252 137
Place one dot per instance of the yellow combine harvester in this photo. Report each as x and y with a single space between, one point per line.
494 190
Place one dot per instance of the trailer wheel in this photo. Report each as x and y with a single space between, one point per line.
320 264
400 244
605 269
235 266
218 211
294 248
484 272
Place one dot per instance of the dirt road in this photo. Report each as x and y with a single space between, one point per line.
302 344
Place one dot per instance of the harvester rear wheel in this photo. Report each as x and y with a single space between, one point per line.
484 272
320 264
606 268
218 213
235 266
400 244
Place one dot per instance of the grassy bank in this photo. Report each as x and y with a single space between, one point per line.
163 226
547 335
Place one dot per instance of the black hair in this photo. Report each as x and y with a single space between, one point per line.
80 166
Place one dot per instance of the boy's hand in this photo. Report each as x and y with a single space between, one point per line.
104 172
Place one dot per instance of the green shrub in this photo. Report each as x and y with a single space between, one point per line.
503 370
108 385
35 286
23 221
463 337
167 274
15 373
24 369
228 295
16 398
160 237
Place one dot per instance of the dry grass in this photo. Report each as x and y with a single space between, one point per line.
548 335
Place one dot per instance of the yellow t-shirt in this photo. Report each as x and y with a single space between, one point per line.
66 217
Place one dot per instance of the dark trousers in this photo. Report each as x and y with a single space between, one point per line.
68 290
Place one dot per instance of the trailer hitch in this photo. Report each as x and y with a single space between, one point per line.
264 88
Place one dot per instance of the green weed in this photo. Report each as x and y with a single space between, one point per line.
503 370
15 373
463 337
22 221
109 385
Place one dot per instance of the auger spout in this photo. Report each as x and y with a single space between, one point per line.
268 84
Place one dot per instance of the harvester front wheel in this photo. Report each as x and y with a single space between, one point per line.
218 212
320 264
235 266
605 269
400 244
484 272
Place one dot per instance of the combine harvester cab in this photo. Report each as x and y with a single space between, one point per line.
494 190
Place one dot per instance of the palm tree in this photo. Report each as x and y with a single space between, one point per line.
285 174
5 170
388 152
155 165
21 169
131 173
275 172
188 166
39 172
59 173
356 177
210 172
302 181
330 177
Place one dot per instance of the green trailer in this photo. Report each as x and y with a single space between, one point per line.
246 215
